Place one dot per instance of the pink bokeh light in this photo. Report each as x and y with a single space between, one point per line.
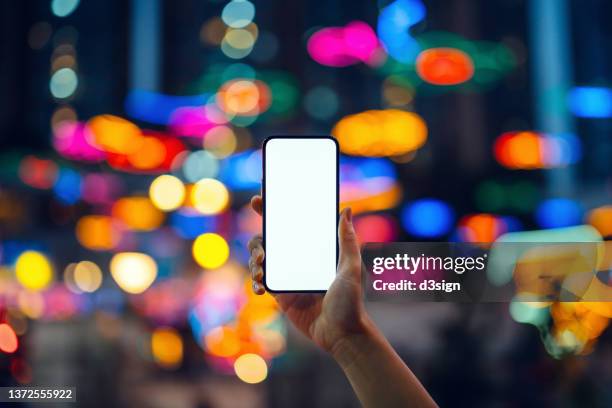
342 46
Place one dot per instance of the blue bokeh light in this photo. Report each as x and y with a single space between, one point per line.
558 213
591 102
427 218
67 187
394 23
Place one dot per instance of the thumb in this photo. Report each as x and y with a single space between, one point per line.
350 255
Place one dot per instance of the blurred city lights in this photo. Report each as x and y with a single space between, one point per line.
167 347
530 150
137 213
481 228
133 272
238 13
74 140
444 66
376 228
189 223
38 173
378 133
8 339
427 218
87 276
321 102
343 46
63 8
33 270
67 186
251 368
591 101
209 196
244 97
115 134
167 192
220 141
368 184
210 250
558 213
394 22
63 83
157 108
97 232
601 219
200 164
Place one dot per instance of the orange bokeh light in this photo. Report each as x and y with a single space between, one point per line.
519 150
138 213
481 228
97 232
378 133
244 97
115 135
444 66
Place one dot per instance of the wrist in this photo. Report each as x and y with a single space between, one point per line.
351 346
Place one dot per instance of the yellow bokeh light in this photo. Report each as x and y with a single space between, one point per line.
209 196
251 368
167 192
379 133
97 232
239 97
210 250
167 347
134 272
138 213
87 276
33 270
115 134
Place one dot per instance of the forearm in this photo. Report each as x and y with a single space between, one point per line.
377 374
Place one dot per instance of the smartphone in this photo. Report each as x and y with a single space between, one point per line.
300 213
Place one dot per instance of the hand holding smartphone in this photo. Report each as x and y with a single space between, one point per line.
300 213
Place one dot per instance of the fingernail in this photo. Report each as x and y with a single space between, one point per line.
349 214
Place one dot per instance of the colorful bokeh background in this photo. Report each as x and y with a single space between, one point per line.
130 135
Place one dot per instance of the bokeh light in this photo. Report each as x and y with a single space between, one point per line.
8 339
209 196
97 232
444 66
63 8
210 250
601 219
167 192
133 272
558 213
167 347
343 46
87 276
33 270
238 13
531 150
200 164
427 218
251 368
115 134
63 83
380 133
591 101
481 228
137 213
321 102
394 22
220 141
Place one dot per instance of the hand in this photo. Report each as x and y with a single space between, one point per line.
327 319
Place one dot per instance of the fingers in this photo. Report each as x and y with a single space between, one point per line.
257 204
350 256
255 264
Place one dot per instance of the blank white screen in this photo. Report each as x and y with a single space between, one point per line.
300 213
